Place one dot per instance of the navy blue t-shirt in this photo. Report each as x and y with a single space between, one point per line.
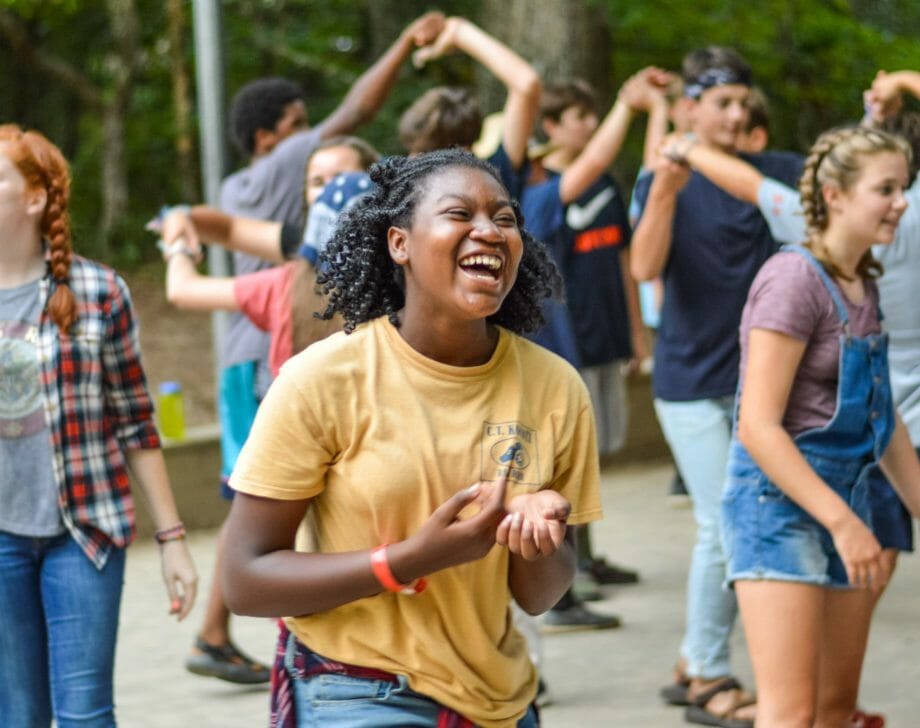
542 215
511 177
585 239
718 245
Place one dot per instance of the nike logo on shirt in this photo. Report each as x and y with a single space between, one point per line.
579 217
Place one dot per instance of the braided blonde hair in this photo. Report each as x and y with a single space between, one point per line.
43 166
836 159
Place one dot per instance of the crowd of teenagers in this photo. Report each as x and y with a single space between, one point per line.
426 367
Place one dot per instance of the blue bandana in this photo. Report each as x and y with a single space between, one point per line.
337 197
710 78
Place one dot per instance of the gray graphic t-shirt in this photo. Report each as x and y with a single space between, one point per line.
28 492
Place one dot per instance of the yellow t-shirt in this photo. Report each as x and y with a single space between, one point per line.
379 436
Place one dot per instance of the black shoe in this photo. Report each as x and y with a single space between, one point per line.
585 589
678 497
603 572
544 697
577 617
226 662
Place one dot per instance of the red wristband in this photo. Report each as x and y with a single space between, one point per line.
380 565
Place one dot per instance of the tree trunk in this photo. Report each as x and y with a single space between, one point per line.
114 177
111 103
185 150
561 38
124 64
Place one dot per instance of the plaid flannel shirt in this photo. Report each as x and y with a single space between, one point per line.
96 406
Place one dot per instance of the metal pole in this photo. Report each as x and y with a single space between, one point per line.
209 74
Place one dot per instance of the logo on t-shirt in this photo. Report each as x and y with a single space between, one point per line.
579 217
21 411
604 237
510 447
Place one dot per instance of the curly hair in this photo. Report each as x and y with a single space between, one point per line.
43 166
258 105
442 117
836 159
361 280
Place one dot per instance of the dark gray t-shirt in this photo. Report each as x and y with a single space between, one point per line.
788 296
28 491
270 188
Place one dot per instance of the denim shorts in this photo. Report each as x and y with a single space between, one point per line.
767 536
891 521
343 701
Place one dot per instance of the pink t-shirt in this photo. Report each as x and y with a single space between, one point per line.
265 298
789 297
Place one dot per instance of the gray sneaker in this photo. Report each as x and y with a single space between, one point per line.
577 617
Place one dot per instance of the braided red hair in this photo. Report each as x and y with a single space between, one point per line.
43 166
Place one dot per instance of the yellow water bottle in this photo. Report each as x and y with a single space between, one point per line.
172 413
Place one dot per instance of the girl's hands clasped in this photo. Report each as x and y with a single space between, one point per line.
535 524
531 525
446 539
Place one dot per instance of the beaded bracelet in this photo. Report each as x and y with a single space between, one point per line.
174 533
380 565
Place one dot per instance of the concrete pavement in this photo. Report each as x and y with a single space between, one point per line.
598 679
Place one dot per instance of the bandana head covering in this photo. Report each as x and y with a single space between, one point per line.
711 77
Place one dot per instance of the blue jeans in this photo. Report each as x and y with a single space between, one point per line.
699 433
342 701
58 623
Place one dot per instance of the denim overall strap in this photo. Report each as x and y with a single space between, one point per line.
826 280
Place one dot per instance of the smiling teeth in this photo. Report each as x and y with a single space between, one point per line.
489 261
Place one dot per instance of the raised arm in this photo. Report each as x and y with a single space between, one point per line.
368 93
604 146
653 102
651 241
519 78
186 288
728 171
260 238
884 96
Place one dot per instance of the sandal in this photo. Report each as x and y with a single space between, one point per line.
698 713
676 692
226 662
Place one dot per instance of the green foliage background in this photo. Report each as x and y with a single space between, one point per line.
812 57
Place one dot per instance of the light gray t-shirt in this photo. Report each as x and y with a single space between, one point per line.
782 208
270 188
898 294
28 491
789 297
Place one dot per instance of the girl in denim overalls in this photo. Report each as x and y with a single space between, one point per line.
802 555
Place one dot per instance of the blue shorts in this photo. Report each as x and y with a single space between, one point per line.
766 535
237 405
891 521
